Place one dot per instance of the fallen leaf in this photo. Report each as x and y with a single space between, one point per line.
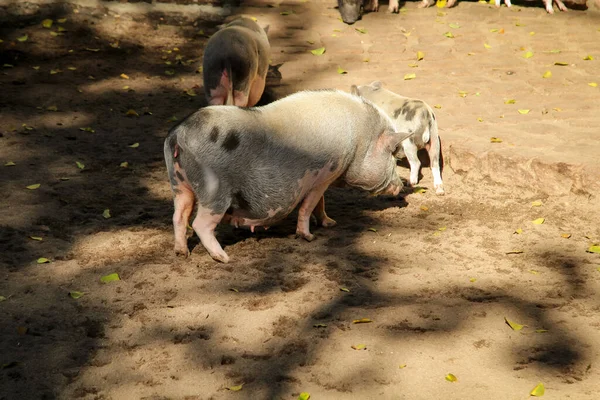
495 140
440 4
472 279
449 35
519 231
88 129
529 54
523 111
557 109
424 208
132 113
169 72
304 396
514 252
124 76
510 101
454 25
402 366
191 92
42 260
135 145
74 294
420 55
463 93
310 41
533 271
61 29
419 190
235 388
408 77
80 165
451 378
55 34
2 298
360 30
538 221
359 346
372 229
366 60
286 12
413 65
172 119
541 330
531 33
319 326
513 325
562 64
588 58
537 203
22 330
319 51
34 186
92 50
594 249
362 321
124 164
438 106
234 290
10 164
593 84
341 71
487 46
23 38
480 119
55 71
106 214
493 30
519 24
110 278
538 390
36 238
554 51
565 235
47 23
343 289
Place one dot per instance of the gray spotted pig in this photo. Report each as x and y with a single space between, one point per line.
413 116
235 64
253 166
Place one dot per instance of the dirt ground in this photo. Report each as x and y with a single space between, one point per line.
437 276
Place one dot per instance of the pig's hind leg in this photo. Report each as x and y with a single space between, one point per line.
434 151
306 209
184 204
410 149
204 225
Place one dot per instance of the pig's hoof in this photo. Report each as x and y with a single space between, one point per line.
439 190
222 257
392 10
450 3
424 4
328 223
309 237
182 251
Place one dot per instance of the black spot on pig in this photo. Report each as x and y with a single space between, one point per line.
179 176
241 201
334 166
231 141
214 134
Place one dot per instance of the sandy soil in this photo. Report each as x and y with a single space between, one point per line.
437 276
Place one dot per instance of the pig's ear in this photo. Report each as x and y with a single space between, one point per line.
376 85
354 90
393 140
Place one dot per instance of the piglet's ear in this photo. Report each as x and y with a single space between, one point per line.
354 90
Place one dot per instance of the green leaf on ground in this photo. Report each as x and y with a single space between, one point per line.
538 390
523 111
513 325
80 165
341 71
2 298
110 278
88 129
594 249
106 214
235 388
420 190
304 396
538 221
359 346
75 294
319 51
449 35
528 54
547 74
10 164
42 260
451 378
124 164
23 38
362 321
39 239
34 186
343 289
47 23
135 145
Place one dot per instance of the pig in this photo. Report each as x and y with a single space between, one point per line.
252 166
352 10
413 116
235 64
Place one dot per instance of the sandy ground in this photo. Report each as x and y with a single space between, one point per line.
437 276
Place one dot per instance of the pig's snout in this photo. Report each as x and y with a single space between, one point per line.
350 10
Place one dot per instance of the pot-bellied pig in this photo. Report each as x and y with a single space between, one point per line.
413 116
235 64
253 166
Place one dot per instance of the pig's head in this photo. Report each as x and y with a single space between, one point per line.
350 10
374 166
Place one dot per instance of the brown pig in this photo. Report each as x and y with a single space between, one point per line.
235 64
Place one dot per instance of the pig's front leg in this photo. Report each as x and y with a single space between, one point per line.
321 216
507 2
394 6
558 3
204 225
308 205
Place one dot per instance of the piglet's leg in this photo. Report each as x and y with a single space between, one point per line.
204 225
184 204
410 149
308 205
321 216
434 150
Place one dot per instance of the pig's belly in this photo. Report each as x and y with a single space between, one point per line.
241 218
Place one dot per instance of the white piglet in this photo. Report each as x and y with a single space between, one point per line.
413 116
